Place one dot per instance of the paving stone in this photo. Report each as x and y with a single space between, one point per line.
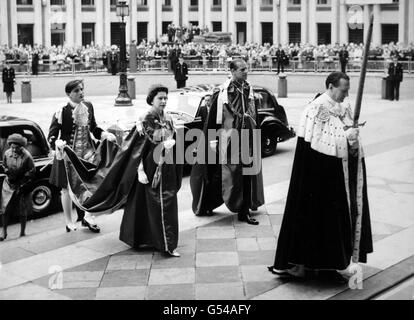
225 291
226 222
187 260
384 228
216 245
265 257
246 231
257 273
124 262
218 274
30 291
171 292
254 289
247 244
125 278
267 243
172 276
13 254
276 219
97 265
276 230
79 293
121 293
216 233
277 208
141 251
212 259
403 187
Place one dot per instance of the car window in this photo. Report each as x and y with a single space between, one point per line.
33 140
183 104
263 100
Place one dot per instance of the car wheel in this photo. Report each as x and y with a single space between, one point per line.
42 196
269 145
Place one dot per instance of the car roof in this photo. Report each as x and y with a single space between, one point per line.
203 88
11 120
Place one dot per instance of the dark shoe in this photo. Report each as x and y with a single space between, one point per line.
2 238
70 228
92 227
173 254
206 213
246 218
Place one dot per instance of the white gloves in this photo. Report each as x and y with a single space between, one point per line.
142 176
213 145
108 136
59 144
168 144
352 134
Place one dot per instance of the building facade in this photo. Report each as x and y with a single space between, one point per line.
80 22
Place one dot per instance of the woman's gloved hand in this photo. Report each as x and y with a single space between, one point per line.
142 176
60 145
352 134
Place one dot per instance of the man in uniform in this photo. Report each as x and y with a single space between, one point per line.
326 224
343 58
9 81
232 110
181 72
73 124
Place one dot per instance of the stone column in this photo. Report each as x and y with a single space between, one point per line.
4 35
107 23
411 22
176 8
231 21
284 31
225 17
78 22
335 21
13 22
376 32
152 21
304 30
133 21
47 36
99 25
159 19
250 23
257 27
343 24
276 22
37 28
313 30
70 26
366 20
185 8
403 19
201 14
207 12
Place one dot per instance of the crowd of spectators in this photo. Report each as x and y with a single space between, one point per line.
62 58
183 34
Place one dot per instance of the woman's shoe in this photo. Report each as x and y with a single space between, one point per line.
70 228
174 254
3 238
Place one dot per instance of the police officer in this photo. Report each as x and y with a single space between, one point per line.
181 72
9 81
395 76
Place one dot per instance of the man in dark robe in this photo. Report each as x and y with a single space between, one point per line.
212 184
326 224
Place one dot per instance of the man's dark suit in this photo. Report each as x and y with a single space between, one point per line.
395 77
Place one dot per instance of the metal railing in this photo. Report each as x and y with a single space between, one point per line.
268 64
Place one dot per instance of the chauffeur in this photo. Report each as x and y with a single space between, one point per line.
73 125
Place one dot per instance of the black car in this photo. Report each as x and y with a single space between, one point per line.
44 195
189 107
